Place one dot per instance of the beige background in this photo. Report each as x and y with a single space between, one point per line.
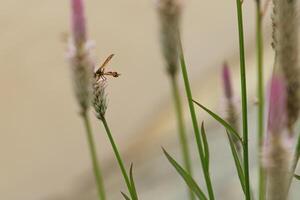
43 153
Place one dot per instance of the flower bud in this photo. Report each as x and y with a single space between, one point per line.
99 99
227 82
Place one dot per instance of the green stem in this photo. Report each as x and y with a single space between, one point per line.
95 163
119 159
244 98
181 129
295 163
204 165
260 94
297 155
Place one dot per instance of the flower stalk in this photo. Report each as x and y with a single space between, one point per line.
118 157
100 105
169 15
244 99
81 65
95 162
260 95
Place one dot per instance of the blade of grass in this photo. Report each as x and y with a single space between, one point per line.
205 144
244 98
186 177
194 120
132 181
125 196
220 120
237 161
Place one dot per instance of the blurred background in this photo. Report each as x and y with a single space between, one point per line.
43 148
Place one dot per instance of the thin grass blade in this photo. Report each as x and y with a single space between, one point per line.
187 178
220 120
125 196
132 182
194 119
237 161
205 144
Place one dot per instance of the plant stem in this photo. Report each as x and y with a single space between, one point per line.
204 165
181 129
119 159
260 94
297 155
244 98
95 163
295 163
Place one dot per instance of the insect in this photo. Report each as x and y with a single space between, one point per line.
100 73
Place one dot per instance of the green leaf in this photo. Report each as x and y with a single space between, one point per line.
125 196
237 161
205 144
220 120
132 182
297 177
187 178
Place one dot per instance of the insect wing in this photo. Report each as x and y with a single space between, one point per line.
107 61
98 70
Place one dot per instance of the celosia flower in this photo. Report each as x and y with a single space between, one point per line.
231 114
227 82
277 106
285 43
170 13
79 55
277 152
99 99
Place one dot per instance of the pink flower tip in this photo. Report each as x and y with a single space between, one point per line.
277 121
78 21
226 77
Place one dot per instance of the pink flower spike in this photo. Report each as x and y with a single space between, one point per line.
277 121
227 81
78 22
